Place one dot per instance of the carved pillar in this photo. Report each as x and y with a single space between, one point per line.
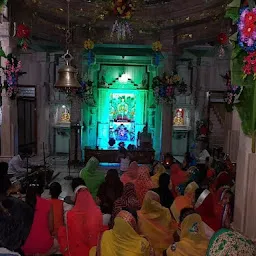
9 128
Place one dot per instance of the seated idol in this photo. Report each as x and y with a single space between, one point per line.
205 207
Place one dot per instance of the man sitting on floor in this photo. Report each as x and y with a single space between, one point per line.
16 166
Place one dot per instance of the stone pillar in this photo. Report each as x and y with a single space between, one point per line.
9 129
75 132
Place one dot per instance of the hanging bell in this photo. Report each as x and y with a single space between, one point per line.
67 79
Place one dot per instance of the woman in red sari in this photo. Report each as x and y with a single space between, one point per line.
84 223
204 206
131 174
178 176
143 183
223 179
224 201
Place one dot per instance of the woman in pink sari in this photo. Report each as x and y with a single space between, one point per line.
131 174
143 183
84 223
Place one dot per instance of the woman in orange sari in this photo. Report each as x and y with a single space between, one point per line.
178 176
155 223
131 174
180 203
190 191
143 183
84 223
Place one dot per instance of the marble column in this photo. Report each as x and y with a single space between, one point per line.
9 128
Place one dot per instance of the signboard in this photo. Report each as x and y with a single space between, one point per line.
27 92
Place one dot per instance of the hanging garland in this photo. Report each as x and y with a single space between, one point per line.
157 47
3 3
23 34
88 46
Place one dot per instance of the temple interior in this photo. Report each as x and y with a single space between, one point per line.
117 82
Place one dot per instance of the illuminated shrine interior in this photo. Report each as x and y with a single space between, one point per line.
122 81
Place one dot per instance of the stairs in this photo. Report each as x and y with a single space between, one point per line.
217 128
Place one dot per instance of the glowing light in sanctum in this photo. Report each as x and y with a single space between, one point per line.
124 78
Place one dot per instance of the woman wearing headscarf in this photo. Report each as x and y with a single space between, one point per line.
110 190
123 239
91 176
224 205
193 241
178 176
84 223
128 200
164 190
190 191
223 179
155 223
158 170
205 207
131 174
178 205
228 242
143 183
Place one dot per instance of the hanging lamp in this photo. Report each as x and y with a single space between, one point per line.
67 81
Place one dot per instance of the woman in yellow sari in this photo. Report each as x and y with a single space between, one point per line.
178 205
123 239
155 223
190 191
158 170
193 241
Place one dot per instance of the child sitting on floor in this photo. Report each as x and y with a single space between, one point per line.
57 204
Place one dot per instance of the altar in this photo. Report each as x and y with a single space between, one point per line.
124 102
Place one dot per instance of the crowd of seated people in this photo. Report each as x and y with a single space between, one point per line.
184 211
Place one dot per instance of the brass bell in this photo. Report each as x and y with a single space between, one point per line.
67 78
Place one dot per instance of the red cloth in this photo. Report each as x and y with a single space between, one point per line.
58 214
223 179
178 176
39 239
131 174
143 183
207 212
84 225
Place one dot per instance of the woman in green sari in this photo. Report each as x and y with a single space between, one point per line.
227 242
91 176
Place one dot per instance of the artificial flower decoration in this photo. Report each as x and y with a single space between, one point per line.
122 9
222 38
165 86
88 44
247 29
233 92
249 67
3 3
157 46
12 71
23 33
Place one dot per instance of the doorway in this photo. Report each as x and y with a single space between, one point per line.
27 125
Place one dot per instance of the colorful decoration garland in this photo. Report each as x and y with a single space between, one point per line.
164 87
157 47
123 11
23 33
3 3
12 71
233 92
88 46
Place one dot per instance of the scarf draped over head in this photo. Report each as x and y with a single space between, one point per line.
158 170
84 225
155 223
180 203
143 183
227 242
205 207
91 176
128 200
131 174
190 191
193 241
223 179
123 239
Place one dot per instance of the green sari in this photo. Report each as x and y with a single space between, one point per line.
227 242
92 177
